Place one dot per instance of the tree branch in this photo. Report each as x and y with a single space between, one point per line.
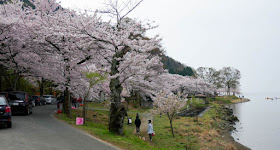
84 60
131 9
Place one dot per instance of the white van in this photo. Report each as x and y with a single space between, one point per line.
50 99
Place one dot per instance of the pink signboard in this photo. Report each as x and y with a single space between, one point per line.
79 121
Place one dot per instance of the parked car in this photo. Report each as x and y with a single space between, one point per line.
39 100
50 99
5 111
20 102
5 94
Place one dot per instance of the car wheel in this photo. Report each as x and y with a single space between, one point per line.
9 124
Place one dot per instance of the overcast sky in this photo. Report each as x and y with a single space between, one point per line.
243 34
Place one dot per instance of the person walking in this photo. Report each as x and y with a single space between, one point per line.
58 103
150 129
79 101
74 101
137 123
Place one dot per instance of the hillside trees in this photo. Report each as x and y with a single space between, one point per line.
227 78
175 67
230 77
210 75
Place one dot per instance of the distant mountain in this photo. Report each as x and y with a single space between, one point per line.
173 66
26 2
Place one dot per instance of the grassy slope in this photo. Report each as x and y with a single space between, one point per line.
203 134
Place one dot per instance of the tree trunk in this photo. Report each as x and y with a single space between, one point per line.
15 81
18 84
172 128
0 82
228 91
42 87
67 100
84 110
117 110
67 103
170 121
1 74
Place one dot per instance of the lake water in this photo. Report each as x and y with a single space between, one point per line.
259 122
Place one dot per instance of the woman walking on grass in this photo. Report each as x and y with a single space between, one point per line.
150 129
137 123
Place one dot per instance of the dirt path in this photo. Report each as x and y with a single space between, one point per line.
144 121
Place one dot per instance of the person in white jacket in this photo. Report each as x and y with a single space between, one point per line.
150 129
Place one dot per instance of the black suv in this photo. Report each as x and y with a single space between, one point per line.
20 102
5 111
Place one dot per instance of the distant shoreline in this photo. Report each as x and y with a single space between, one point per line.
240 100
227 134
239 146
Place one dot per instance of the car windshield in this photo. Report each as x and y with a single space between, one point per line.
2 101
4 94
35 96
47 96
16 96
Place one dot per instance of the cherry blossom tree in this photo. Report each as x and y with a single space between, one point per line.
41 41
60 41
12 39
169 104
93 79
124 51
59 45
64 51
171 83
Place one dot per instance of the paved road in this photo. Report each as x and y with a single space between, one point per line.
40 131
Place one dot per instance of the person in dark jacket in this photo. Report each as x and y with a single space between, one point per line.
74 101
58 104
137 123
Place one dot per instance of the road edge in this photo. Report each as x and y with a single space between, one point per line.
84 132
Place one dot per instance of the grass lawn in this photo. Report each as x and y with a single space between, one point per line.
95 105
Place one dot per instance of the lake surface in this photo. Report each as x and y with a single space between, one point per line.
259 122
